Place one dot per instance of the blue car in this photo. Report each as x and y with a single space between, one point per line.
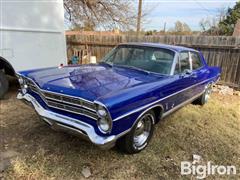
120 99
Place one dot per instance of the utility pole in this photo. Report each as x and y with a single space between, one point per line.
139 17
164 28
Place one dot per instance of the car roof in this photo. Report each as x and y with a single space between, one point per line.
159 45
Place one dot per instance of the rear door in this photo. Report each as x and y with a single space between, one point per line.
199 72
184 77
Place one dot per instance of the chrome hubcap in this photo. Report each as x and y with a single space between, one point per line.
207 94
142 130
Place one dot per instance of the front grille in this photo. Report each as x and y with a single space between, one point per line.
72 109
69 100
63 102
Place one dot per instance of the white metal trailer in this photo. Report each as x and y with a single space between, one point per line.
31 36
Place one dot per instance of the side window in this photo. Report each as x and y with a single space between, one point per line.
183 63
196 62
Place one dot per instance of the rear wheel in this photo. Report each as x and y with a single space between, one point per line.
3 84
138 138
203 99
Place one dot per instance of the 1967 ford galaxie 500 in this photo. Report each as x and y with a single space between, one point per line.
119 100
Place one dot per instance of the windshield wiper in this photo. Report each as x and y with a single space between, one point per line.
104 62
135 68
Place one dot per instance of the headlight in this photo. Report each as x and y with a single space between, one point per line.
101 111
104 121
104 125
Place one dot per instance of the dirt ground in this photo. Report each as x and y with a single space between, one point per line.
211 131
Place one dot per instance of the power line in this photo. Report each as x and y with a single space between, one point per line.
204 8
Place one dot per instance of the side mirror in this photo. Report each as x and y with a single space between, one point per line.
186 72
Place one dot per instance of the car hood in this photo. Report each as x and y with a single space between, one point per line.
91 81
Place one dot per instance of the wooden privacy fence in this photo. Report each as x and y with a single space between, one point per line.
219 51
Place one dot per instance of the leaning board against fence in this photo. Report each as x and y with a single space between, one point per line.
219 51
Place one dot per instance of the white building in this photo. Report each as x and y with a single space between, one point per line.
31 36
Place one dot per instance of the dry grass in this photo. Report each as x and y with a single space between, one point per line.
212 131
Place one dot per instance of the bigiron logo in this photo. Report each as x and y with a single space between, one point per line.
201 169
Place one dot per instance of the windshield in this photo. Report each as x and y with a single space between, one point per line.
157 60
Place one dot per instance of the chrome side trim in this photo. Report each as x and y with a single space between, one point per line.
128 130
182 104
164 114
150 104
157 105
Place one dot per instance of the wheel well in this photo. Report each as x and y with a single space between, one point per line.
7 67
158 111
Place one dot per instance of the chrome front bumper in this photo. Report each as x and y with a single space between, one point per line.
65 123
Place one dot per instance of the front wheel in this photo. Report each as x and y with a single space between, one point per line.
140 135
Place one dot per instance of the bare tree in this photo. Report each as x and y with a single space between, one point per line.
205 24
181 28
107 14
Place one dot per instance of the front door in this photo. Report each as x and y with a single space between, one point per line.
181 86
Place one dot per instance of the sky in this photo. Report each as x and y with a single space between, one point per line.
188 11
